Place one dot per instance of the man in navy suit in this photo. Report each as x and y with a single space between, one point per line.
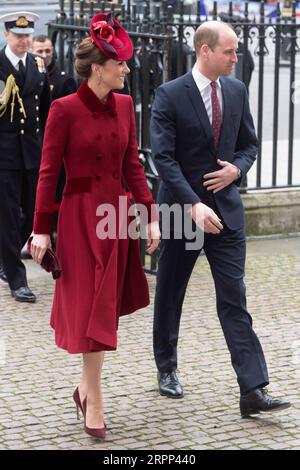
203 142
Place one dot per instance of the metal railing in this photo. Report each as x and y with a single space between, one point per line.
163 49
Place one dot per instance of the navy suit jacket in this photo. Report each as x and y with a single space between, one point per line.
183 145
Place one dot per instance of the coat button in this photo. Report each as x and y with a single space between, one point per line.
22 131
114 135
98 178
37 108
22 121
36 97
37 130
37 119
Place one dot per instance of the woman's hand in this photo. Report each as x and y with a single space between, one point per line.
153 237
39 245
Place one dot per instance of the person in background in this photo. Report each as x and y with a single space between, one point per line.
61 85
24 106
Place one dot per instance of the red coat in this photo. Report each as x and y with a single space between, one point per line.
101 279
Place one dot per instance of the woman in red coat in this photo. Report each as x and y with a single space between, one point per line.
93 132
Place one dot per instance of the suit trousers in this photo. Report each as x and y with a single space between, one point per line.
225 253
17 202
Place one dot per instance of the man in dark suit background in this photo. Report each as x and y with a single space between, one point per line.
61 84
203 141
25 102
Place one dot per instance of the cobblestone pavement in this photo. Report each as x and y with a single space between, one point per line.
37 379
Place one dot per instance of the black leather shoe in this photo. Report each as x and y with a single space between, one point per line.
3 275
259 401
25 254
23 294
169 385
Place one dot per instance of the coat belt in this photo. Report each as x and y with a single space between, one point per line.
81 184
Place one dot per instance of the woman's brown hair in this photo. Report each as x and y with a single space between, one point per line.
87 54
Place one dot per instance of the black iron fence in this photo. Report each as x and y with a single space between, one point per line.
163 44
163 49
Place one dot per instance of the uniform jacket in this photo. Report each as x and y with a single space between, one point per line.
183 145
20 141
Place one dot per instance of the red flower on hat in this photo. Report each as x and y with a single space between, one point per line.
109 36
103 31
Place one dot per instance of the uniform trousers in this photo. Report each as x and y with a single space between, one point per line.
17 201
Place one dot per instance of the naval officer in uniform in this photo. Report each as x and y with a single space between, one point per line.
24 104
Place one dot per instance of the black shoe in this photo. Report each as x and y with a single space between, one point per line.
25 254
259 401
3 275
169 385
23 294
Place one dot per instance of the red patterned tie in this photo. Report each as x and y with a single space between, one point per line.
216 114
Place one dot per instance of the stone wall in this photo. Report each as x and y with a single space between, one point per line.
272 212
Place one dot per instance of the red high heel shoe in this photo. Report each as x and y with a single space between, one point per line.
99 433
76 398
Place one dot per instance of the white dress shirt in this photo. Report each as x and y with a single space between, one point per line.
13 58
203 84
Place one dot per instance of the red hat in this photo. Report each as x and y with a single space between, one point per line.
110 37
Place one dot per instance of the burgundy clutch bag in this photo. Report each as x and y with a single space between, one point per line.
50 261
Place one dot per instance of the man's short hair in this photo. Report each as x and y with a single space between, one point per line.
41 38
205 34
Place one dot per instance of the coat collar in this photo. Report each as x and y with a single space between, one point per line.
201 80
52 68
227 122
92 102
201 112
199 107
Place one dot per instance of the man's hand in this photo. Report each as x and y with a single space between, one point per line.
205 218
221 178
